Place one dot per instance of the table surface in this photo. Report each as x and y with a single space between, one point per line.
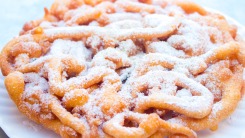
13 16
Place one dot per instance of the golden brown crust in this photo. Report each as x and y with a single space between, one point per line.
144 68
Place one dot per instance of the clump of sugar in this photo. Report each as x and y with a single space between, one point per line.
109 58
183 93
153 20
165 48
67 47
95 43
191 38
216 108
47 25
125 24
93 23
128 47
34 83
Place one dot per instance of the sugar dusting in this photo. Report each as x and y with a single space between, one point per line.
136 67
66 47
165 48
191 37
153 20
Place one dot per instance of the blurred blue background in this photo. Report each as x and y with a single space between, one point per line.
232 8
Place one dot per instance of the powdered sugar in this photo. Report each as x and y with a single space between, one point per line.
111 58
162 87
177 121
183 92
128 47
125 24
126 62
217 107
115 17
165 48
66 47
162 30
153 20
191 38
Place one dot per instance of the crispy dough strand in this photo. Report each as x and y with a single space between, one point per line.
126 68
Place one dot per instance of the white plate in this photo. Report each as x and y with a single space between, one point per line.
17 125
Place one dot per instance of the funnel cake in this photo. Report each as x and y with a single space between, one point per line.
146 68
